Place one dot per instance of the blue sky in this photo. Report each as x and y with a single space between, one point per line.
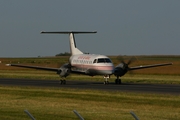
124 27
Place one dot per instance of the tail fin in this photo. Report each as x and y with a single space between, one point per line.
73 49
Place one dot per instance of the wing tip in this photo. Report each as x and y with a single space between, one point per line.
42 32
8 64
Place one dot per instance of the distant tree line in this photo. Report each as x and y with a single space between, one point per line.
64 54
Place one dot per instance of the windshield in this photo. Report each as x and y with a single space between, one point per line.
104 60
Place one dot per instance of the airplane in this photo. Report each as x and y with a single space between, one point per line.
88 64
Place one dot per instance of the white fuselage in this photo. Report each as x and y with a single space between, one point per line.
91 64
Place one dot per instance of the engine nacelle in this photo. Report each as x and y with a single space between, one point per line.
121 69
64 70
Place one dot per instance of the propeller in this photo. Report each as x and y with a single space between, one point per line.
123 67
126 64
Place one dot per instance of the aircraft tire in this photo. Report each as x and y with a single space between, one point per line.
118 81
62 82
106 82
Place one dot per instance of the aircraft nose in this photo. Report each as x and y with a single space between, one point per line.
110 71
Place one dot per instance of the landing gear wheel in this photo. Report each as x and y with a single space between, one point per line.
62 82
106 82
118 81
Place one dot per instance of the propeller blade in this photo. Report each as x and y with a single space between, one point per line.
133 59
129 60
120 58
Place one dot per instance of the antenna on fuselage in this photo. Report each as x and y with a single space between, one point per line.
73 49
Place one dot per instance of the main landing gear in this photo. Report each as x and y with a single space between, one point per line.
62 82
118 81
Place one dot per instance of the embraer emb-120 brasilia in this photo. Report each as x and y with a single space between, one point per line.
89 64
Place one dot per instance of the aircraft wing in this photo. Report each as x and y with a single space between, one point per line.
33 67
42 68
148 66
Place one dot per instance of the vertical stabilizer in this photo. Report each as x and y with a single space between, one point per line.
73 49
72 42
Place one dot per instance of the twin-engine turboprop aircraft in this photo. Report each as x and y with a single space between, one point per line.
88 64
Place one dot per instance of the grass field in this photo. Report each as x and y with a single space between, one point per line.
57 103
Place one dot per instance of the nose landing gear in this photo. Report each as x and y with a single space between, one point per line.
106 77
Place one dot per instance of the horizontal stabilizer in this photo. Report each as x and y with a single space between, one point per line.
74 50
68 32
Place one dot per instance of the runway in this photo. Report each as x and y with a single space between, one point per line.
124 87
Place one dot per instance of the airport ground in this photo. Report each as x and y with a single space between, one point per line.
53 102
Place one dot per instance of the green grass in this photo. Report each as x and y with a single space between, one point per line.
55 104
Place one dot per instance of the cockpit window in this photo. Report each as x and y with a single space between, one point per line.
107 60
104 60
95 61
